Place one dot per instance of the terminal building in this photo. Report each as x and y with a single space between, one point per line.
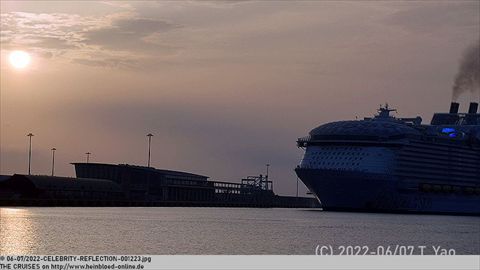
98 184
141 183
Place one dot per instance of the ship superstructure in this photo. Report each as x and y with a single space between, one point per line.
394 164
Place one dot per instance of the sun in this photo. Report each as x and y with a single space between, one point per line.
19 59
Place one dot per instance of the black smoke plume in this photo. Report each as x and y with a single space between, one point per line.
468 76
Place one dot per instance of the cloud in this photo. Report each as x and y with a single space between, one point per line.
44 34
87 40
40 23
52 42
128 34
107 62
437 17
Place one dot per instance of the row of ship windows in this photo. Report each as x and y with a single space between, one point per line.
431 188
336 158
335 163
337 153
337 168
352 148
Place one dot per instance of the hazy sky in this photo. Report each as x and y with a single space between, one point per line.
225 87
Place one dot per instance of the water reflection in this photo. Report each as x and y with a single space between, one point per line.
164 230
17 231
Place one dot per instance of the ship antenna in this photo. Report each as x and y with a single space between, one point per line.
384 112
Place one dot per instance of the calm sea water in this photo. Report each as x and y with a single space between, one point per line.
223 231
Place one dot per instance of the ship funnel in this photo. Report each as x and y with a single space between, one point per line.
473 107
454 107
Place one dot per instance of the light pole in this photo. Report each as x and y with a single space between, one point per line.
53 160
88 156
266 177
30 135
149 135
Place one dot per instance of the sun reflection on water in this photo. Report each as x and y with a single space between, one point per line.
17 231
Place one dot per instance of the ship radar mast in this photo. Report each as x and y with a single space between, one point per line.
384 111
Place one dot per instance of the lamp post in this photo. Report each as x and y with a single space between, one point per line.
149 135
30 135
266 177
53 160
88 156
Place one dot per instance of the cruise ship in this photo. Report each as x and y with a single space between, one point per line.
389 164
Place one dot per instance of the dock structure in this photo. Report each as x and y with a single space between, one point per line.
100 184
